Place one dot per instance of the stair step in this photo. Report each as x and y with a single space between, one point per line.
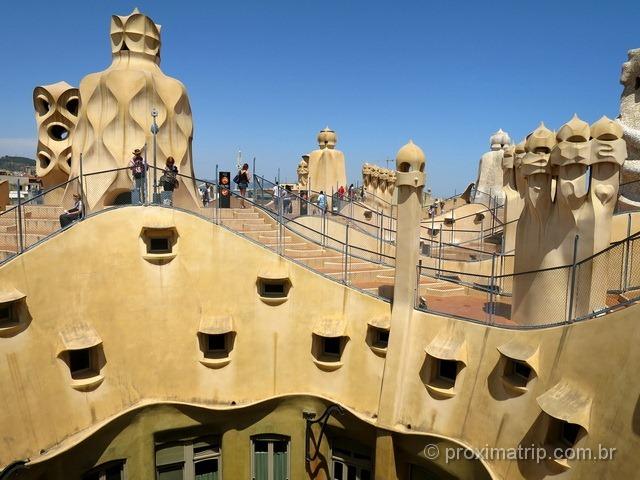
300 253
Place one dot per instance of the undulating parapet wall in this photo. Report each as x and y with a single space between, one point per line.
572 180
56 110
116 115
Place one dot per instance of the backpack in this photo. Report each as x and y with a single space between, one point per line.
138 167
170 176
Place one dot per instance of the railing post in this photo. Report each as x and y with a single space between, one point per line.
280 202
216 211
492 280
19 230
502 260
346 255
253 169
440 251
417 296
573 279
627 251
84 211
154 130
380 233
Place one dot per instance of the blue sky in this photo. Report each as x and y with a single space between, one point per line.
266 76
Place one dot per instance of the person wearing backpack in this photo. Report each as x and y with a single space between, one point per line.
169 181
139 167
242 179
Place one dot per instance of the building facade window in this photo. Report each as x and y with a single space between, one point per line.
270 457
517 372
113 470
7 316
274 288
83 363
199 459
159 245
351 463
562 436
217 343
381 338
332 347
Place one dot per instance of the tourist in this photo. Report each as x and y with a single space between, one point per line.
341 192
206 195
351 192
304 198
322 202
362 193
139 167
276 195
74 213
37 193
169 181
286 200
242 179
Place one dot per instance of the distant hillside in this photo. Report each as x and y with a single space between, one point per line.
16 164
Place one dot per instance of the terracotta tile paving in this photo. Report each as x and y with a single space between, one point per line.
470 307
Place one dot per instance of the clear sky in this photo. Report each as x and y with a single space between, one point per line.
266 76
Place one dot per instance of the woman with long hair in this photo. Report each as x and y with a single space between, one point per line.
243 182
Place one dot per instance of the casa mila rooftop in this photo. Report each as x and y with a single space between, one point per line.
279 333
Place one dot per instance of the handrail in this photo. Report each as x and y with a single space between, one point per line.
496 285
291 220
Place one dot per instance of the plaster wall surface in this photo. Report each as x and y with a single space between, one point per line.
149 341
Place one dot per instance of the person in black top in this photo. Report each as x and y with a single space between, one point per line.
243 182
169 181
74 213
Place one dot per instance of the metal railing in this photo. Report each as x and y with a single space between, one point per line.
586 288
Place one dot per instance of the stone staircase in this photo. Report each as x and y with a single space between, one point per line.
371 277
38 221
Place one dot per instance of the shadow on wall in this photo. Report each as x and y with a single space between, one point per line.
635 421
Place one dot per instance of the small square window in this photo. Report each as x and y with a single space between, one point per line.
6 315
522 370
79 360
273 289
517 373
381 339
562 436
569 433
159 245
217 343
447 370
331 346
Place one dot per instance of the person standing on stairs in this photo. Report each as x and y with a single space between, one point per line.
322 202
242 179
